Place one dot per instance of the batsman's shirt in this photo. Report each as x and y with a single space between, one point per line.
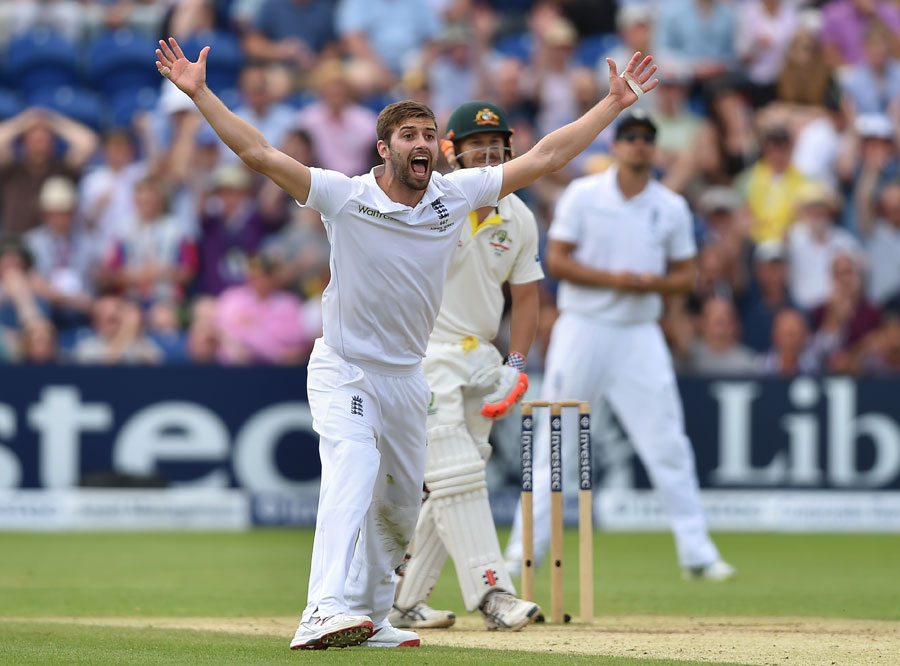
611 233
502 248
389 261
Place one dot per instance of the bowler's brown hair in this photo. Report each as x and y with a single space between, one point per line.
393 115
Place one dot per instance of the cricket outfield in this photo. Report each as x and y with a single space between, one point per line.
234 598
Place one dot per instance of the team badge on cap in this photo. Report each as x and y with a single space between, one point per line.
487 117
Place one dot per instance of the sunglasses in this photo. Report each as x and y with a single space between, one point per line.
631 137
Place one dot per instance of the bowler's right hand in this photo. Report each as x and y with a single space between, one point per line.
172 64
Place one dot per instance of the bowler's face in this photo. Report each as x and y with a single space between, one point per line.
413 152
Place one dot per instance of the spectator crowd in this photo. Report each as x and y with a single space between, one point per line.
130 234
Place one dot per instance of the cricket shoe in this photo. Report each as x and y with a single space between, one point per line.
716 571
387 636
421 616
340 630
505 612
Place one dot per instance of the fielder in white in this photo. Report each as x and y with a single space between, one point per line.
393 233
498 245
619 241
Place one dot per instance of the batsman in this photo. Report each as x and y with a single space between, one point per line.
472 384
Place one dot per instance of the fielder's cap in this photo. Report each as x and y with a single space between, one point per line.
58 194
874 126
719 198
632 119
769 251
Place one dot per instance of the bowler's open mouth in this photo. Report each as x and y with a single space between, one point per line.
419 165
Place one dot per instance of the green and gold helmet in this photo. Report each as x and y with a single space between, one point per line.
475 117
478 117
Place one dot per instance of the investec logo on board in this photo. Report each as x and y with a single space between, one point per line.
526 453
555 454
584 451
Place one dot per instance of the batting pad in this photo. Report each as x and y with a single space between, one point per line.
455 476
424 567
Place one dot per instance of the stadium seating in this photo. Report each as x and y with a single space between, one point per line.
225 57
517 46
121 60
593 47
41 59
125 104
11 103
80 104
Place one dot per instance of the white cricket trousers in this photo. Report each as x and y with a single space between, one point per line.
629 365
371 426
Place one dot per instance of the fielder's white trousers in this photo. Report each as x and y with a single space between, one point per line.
630 367
371 426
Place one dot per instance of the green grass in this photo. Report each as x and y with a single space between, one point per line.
40 644
264 573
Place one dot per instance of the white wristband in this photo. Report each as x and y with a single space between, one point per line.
633 84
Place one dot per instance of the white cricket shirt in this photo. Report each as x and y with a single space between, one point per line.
611 233
502 248
389 261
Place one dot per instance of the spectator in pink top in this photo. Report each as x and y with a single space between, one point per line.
342 131
259 323
844 24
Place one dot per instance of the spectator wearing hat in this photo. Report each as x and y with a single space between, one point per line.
868 162
718 351
340 128
634 25
843 322
554 71
772 186
873 85
723 224
844 24
232 229
23 174
763 34
881 237
260 323
790 353
813 242
65 258
767 296
153 258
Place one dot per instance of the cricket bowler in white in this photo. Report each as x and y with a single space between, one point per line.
497 245
393 233
618 241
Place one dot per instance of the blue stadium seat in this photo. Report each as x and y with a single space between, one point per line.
225 57
121 60
517 46
124 105
41 59
11 103
592 48
81 104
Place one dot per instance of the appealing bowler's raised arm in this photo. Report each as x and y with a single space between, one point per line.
556 149
241 137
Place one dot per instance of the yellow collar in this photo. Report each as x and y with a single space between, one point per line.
494 218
